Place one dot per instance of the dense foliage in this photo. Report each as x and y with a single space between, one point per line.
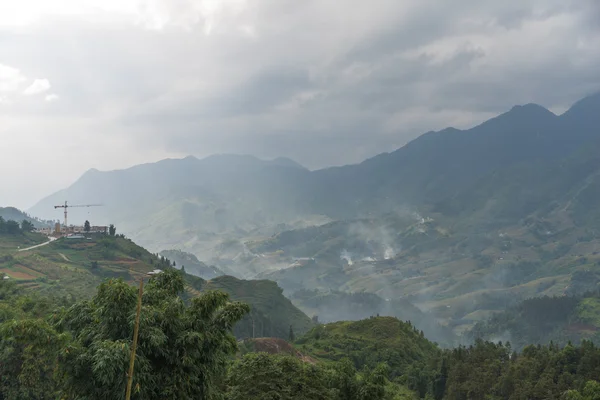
82 352
542 320
11 227
260 376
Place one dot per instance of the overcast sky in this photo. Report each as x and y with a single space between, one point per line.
113 83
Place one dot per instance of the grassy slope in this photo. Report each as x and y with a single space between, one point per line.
65 266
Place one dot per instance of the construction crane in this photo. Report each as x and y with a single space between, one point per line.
67 206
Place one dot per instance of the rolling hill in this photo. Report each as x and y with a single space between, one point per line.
14 214
369 342
73 268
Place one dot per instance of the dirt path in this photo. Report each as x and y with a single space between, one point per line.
64 257
51 239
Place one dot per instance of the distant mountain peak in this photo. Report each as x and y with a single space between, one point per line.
531 109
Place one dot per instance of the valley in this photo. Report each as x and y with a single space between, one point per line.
460 224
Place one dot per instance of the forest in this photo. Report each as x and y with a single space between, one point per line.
11 227
60 348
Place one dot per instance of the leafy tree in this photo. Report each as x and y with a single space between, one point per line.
87 227
112 230
260 376
29 351
27 226
182 350
12 227
292 336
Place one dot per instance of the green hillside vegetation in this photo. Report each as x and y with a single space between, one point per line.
544 320
54 349
271 313
77 266
484 370
73 268
334 306
371 341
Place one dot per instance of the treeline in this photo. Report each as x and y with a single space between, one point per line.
11 227
540 320
80 350
494 371
67 349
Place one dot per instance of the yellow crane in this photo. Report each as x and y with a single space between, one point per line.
67 206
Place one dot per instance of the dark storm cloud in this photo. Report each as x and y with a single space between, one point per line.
315 81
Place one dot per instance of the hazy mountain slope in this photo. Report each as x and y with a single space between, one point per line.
14 214
440 165
271 313
191 264
527 177
186 203
229 193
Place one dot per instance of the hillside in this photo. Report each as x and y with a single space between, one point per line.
14 214
271 313
369 342
335 306
189 203
543 320
191 264
75 267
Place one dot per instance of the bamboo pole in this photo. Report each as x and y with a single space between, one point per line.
135 340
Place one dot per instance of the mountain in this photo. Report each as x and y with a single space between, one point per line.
460 223
189 204
14 214
229 194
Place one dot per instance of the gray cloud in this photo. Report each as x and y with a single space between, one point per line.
312 80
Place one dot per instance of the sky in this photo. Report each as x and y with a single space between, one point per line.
108 84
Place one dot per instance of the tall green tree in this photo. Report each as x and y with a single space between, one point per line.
12 227
87 227
260 376
29 352
112 230
182 349
27 226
